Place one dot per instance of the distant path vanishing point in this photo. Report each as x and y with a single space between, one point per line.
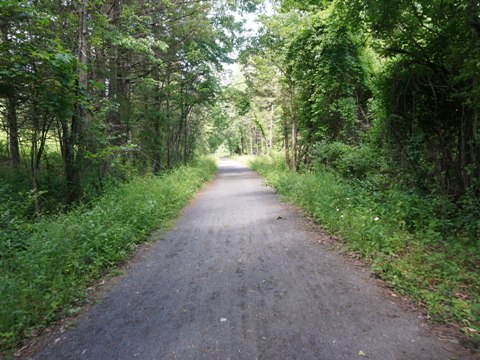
240 276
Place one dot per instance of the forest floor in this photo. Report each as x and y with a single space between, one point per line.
244 276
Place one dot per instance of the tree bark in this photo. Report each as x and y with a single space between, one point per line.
251 140
12 125
76 138
270 140
474 148
241 142
116 86
293 117
157 153
169 131
11 105
185 138
286 143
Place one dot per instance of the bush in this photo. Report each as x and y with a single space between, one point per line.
350 161
61 255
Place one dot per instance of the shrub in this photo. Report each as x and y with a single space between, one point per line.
351 161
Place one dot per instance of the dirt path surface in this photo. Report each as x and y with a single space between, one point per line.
240 277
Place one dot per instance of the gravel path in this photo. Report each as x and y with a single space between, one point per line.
241 277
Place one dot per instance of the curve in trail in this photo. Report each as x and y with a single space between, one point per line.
240 277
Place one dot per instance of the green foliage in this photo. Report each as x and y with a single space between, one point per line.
18 183
403 74
46 267
428 88
415 242
330 68
356 162
123 81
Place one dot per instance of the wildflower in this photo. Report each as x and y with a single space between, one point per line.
338 209
376 218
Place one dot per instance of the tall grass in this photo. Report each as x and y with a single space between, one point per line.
47 266
400 233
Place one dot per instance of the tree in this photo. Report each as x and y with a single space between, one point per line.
429 87
117 84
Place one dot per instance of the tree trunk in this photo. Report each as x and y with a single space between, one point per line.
169 132
474 148
257 142
270 139
185 138
35 155
293 117
241 142
11 105
251 140
12 127
157 154
462 153
286 144
76 138
116 84
39 139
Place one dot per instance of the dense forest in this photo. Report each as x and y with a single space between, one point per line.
365 113
91 88
401 77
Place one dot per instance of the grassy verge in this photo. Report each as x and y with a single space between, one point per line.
46 267
397 232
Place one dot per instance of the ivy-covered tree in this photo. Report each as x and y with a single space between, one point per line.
428 88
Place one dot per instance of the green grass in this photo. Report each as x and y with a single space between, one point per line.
398 232
46 267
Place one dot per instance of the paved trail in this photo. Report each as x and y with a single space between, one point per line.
232 280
